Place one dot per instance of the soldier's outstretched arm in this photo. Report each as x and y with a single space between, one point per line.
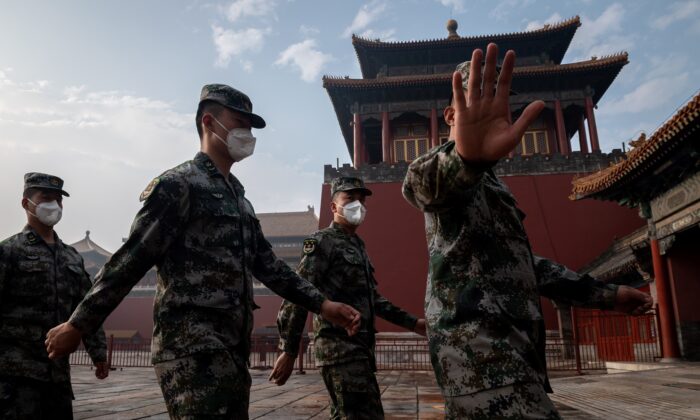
384 309
291 318
441 179
155 227
560 284
290 324
95 343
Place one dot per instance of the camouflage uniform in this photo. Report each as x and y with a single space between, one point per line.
199 230
40 285
337 263
485 326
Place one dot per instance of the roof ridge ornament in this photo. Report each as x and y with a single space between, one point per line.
452 26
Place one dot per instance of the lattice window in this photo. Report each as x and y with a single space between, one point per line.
533 141
410 141
409 149
444 140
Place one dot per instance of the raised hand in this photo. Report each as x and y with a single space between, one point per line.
482 129
631 301
342 315
284 365
62 340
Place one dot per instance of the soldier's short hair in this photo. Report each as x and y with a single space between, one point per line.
210 107
29 192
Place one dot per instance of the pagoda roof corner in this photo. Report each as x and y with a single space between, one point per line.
640 159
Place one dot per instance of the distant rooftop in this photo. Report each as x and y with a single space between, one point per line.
86 245
296 223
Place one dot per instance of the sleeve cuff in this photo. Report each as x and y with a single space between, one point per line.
411 322
316 303
287 347
81 324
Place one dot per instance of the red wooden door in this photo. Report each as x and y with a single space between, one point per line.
615 341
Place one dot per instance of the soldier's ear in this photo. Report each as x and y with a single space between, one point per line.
449 114
25 203
206 121
334 207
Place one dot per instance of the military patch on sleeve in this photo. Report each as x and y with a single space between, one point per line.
309 246
149 189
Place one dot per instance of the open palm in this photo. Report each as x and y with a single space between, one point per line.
482 127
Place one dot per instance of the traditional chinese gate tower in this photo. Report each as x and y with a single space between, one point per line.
394 114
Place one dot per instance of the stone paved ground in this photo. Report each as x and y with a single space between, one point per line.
671 393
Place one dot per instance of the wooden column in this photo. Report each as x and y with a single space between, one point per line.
582 140
561 129
357 140
386 138
669 340
434 131
592 128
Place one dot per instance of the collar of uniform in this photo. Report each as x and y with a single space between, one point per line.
34 238
338 228
204 162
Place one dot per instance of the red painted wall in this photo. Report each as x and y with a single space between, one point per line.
134 313
266 316
570 232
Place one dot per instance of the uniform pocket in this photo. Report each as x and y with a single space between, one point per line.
352 257
31 280
32 266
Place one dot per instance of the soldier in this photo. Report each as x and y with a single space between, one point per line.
199 230
42 280
485 325
335 260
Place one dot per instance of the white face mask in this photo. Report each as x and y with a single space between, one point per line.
48 213
354 212
240 142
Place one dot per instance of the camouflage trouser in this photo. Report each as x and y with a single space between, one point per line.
353 390
23 398
517 401
205 386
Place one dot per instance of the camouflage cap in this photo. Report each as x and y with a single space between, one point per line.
44 182
233 99
465 67
348 183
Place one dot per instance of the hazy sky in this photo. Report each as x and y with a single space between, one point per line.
103 93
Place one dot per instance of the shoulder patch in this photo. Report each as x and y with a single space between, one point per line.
149 189
309 246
